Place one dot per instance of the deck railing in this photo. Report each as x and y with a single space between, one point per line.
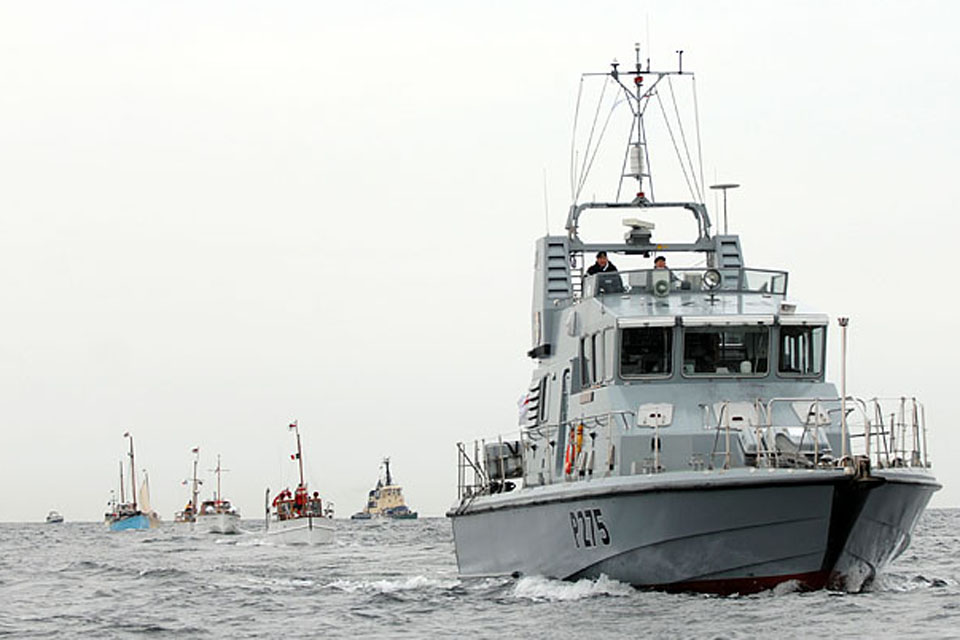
883 432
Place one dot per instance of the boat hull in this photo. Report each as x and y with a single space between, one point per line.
720 532
883 528
307 530
130 523
223 523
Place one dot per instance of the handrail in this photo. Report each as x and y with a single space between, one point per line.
890 439
907 425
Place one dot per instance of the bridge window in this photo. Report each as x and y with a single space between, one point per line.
801 351
726 351
646 351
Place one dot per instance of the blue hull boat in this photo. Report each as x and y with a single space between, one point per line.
138 521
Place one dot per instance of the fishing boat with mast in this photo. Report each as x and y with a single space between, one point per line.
679 431
385 500
188 516
126 515
218 515
298 517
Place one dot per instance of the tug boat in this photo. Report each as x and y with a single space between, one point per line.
127 515
297 517
218 515
679 432
385 500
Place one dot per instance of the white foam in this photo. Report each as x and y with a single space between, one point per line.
392 586
785 588
545 589
282 582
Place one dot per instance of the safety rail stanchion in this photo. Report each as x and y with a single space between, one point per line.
503 464
903 430
893 437
656 444
460 471
915 459
756 431
884 435
866 427
843 388
726 457
816 435
923 427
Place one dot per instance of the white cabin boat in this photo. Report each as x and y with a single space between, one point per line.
297 517
218 515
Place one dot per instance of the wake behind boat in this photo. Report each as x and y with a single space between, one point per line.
298 517
679 432
218 515
124 515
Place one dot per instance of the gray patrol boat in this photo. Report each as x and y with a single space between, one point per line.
679 432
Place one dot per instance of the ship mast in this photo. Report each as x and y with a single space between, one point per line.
296 428
133 477
219 497
386 462
640 86
122 497
196 459
639 160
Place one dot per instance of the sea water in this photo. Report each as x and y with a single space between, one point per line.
399 579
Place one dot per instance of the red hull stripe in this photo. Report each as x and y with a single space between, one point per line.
729 586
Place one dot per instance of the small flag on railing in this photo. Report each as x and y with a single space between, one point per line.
294 456
195 450
293 425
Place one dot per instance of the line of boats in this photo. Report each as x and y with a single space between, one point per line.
290 517
679 431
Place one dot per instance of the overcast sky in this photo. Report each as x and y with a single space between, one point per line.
218 217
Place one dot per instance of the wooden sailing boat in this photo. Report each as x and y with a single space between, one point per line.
132 515
297 518
189 514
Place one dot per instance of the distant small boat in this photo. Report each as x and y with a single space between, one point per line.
298 518
125 515
188 517
385 500
54 517
217 515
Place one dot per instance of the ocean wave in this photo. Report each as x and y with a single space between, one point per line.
162 573
412 583
900 583
283 582
550 590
